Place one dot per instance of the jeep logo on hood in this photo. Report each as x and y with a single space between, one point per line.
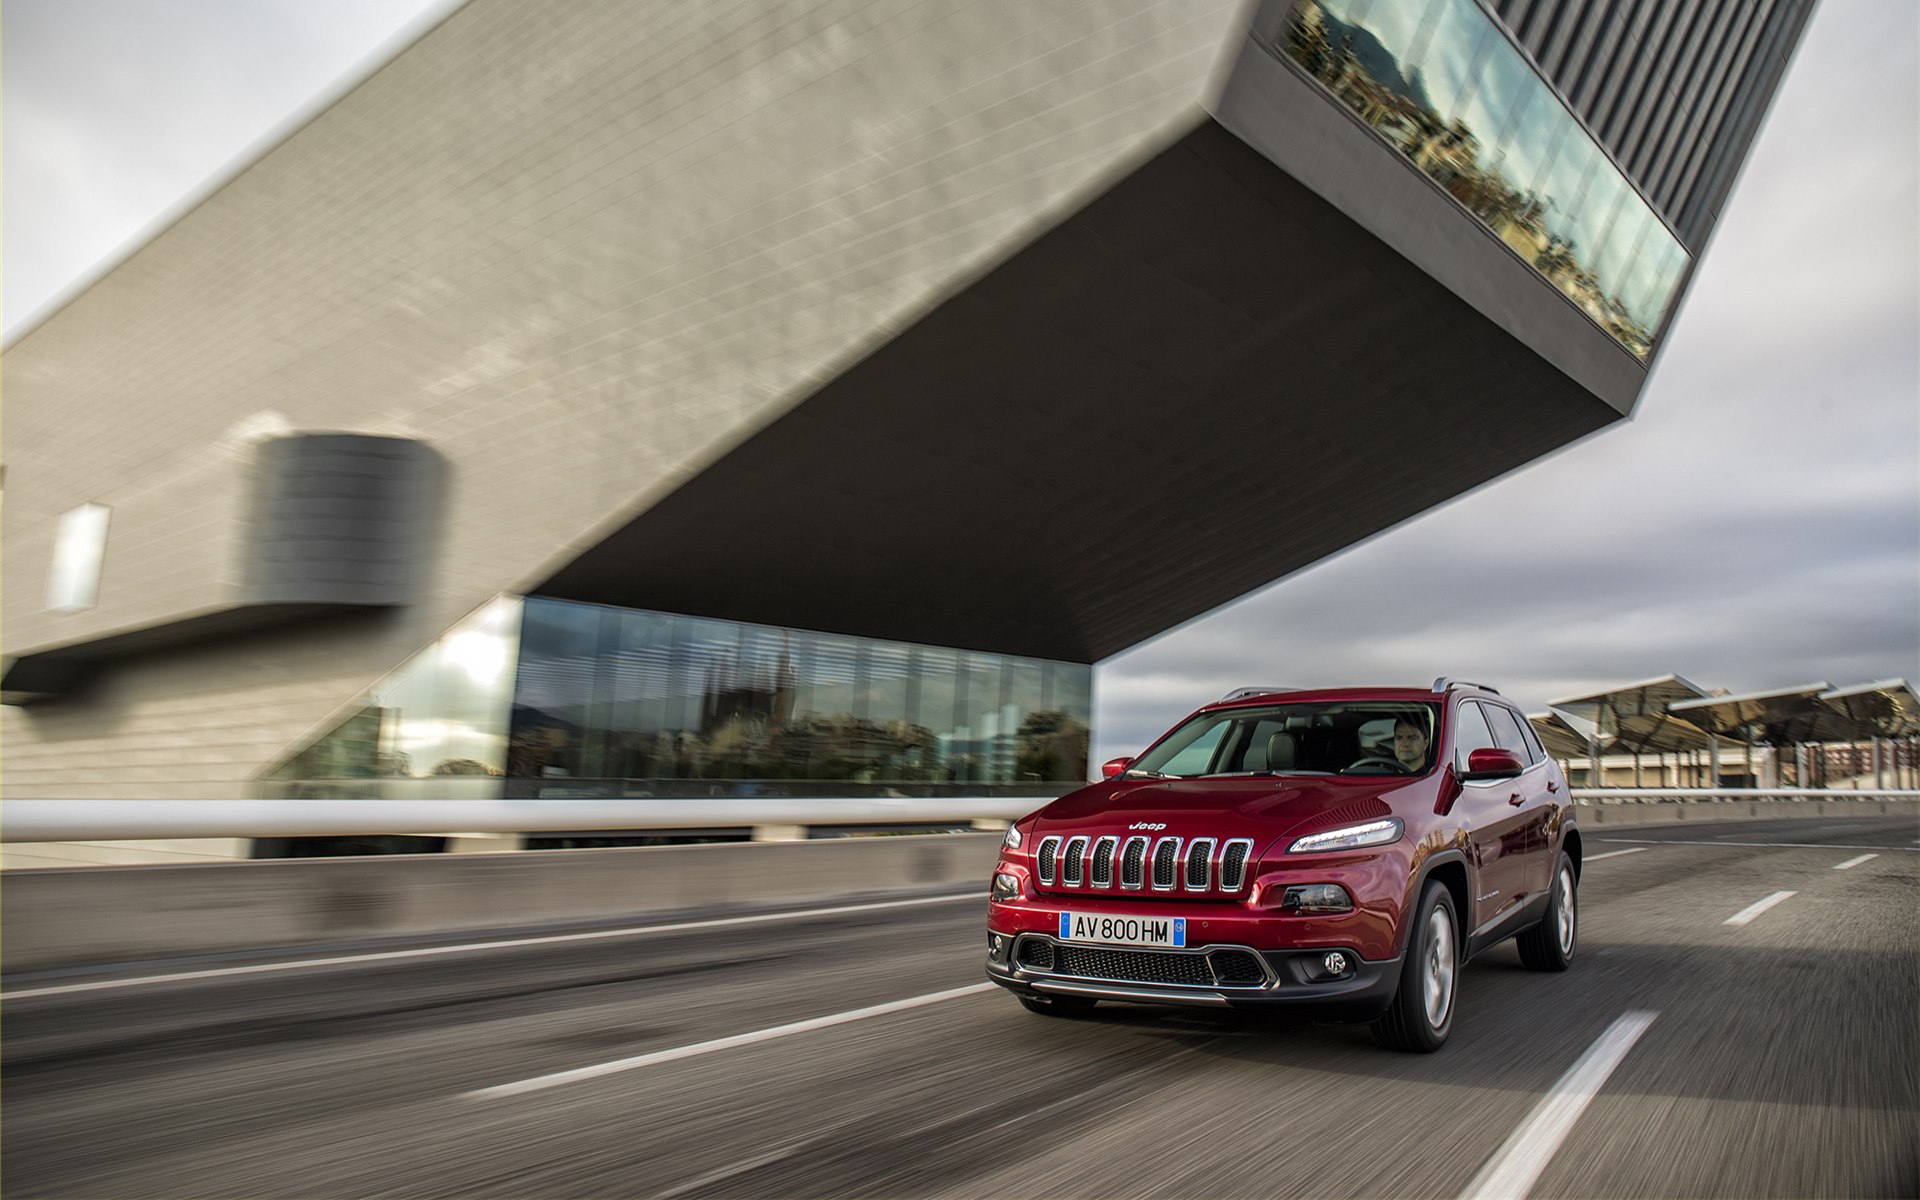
1148 825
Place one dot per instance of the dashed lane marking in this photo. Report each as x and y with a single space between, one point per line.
1853 862
1513 1170
1614 854
471 947
539 1082
1746 915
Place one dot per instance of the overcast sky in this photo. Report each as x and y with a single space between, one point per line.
1757 524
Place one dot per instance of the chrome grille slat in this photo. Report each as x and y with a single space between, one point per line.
1233 863
1133 864
1073 866
1046 858
1199 864
1166 864
1101 873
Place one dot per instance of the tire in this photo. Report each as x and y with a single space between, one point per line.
1056 1006
1549 946
1421 1014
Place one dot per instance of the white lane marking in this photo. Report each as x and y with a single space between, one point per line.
1516 1166
1767 845
731 1171
726 1043
1614 854
470 947
1853 862
1746 915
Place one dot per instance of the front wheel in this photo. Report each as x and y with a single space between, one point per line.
1421 1014
1056 1006
1549 945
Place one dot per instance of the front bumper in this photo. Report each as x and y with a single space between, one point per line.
1209 976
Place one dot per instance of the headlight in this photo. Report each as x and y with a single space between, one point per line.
1317 898
1005 886
1012 840
1351 837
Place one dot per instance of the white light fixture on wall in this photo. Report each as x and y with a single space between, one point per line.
77 555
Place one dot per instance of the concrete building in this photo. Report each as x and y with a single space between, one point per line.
639 399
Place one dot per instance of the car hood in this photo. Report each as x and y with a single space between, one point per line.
1261 808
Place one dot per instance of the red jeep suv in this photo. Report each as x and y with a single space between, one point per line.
1343 850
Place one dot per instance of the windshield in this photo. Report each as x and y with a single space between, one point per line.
1369 737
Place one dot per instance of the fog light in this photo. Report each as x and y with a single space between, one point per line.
1317 898
1005 886
995 943
1335 963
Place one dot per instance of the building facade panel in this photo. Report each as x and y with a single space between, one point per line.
579 252
1641 74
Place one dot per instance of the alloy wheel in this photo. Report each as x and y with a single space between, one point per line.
1439 969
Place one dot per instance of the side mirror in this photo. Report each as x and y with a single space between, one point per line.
1492 764
1114 766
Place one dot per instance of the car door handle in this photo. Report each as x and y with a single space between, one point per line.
1552 786
1516 799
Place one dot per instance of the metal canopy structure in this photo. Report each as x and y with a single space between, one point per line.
1785 716
1635 719
1673 716
1889 708
1560 739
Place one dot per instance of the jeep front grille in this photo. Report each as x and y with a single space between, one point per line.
1170 864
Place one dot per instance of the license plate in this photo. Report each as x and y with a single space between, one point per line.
1123 931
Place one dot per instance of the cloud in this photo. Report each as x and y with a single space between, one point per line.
1756 524
117 110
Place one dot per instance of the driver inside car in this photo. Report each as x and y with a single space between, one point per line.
1410 745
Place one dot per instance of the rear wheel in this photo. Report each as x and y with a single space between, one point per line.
1549 945
1421 1014
1057 1006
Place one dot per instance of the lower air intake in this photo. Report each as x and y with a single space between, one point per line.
1132 966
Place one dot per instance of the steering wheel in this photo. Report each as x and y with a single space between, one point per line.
1394 764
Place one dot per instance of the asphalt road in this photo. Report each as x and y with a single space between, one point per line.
1778 1060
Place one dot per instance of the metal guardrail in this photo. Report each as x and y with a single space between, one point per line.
135 820
1605 794
138 820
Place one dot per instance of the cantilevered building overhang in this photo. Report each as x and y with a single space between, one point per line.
1285 332
993 326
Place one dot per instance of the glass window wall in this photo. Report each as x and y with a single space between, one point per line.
1440 82
435 727
617 702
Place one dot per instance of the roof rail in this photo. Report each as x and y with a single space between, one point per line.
1242 693
1444 684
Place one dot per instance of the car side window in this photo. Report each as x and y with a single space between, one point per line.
1534 748
1506 730
1470 733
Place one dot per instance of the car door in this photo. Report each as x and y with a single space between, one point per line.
1493 819
1529 847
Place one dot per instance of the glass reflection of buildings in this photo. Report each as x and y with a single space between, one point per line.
541 697
1439 82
